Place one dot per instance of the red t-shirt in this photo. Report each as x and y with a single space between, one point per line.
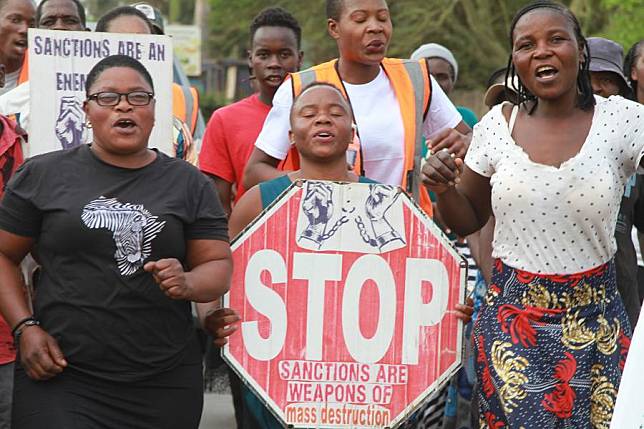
230 138
10 160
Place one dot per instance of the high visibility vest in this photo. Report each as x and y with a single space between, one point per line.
185 105
24 71
412 86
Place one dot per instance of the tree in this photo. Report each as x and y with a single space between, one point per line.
625 18
475 30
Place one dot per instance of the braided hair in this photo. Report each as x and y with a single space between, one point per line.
585 99
629 61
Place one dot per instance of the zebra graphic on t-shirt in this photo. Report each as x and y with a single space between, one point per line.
133 229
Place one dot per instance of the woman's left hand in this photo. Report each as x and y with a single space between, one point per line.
171 278
464 311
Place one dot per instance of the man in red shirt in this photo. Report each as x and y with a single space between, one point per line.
10 160
275 38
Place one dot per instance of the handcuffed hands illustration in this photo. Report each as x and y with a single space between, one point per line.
318 207
380 200
70 123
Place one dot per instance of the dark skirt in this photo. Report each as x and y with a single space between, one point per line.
72 400
550 349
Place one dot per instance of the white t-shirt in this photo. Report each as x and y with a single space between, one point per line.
638 250
379 121
559 220
16 101
10 81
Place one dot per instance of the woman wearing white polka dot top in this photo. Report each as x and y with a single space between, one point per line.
552 339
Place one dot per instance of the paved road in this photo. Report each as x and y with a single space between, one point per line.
218 412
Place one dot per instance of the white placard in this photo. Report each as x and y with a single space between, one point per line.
629 409
59 62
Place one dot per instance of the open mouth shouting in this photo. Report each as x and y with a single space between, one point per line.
546 73
20 45
125 126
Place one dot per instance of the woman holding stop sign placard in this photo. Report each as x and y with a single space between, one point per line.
321 130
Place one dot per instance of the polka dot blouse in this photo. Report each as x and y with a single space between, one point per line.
559 220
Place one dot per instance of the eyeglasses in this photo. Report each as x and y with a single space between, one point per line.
110 99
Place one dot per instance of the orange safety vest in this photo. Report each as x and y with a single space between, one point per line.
412 86
24 71
185 105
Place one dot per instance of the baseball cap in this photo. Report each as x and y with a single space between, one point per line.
606 56
495 91
153 14
434 50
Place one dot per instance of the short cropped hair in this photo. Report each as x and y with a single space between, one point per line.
79 8
318 84
105 21
116 61
334 9
276 17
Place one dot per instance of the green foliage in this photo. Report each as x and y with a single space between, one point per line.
475 30
625 21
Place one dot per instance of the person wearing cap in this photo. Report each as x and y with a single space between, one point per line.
444 68
185 98
606 75
608 80
395 104
499 89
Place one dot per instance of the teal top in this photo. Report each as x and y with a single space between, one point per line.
272 189
469 117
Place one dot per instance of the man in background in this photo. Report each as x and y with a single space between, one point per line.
16 16
275 38
63 15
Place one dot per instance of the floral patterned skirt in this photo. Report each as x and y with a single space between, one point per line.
550 349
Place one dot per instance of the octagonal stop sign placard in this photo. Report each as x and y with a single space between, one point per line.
346 294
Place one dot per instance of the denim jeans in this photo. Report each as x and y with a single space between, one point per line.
6 394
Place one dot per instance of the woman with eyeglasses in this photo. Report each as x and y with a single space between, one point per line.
127 238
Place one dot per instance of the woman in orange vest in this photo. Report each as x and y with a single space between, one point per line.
395 102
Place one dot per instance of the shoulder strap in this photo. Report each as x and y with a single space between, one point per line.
269 191
513 117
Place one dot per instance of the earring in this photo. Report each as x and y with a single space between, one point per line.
88 124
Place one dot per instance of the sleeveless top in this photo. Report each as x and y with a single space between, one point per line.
272 189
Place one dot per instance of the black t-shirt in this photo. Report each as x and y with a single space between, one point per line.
95 226
626 258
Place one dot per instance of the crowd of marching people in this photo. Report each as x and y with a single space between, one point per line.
544 196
